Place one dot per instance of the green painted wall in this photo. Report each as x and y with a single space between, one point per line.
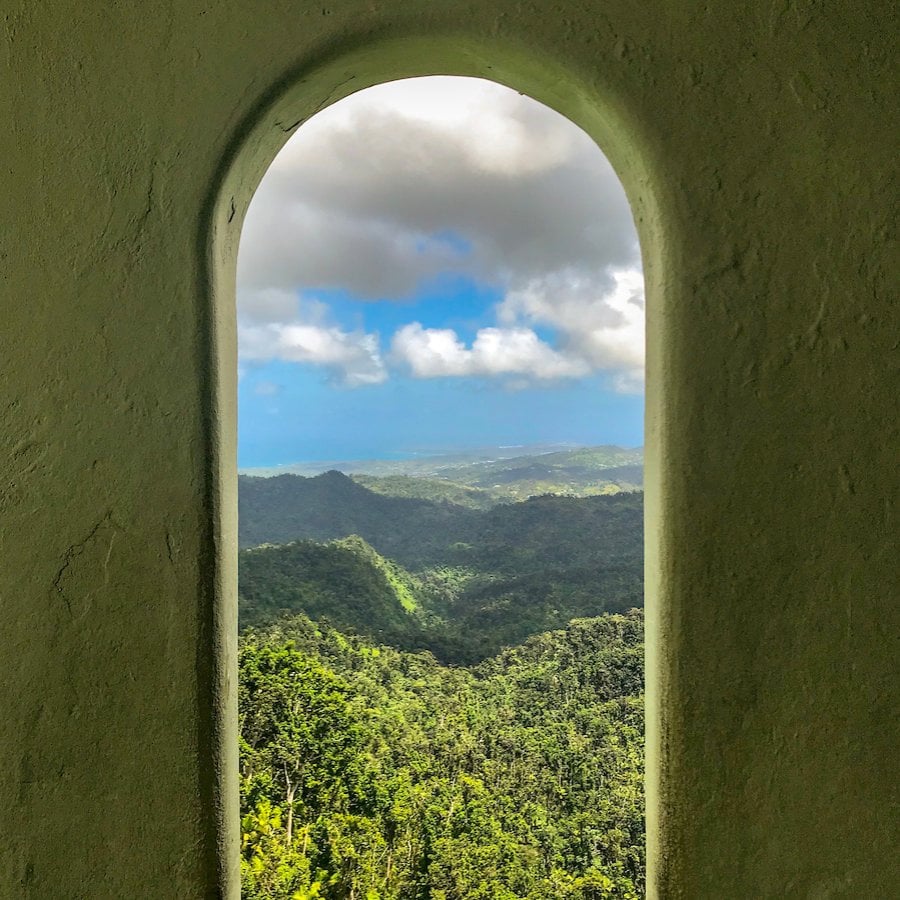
755 141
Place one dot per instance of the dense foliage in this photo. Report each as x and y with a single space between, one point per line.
370 773
345 581
441 698
435 489
328 506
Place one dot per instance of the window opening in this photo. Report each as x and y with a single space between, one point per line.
440 310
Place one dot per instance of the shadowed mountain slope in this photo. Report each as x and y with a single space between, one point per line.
424 575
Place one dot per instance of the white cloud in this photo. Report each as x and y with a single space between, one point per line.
601 324
357 199
494 128
438 352
353 358
267 304
353 195
275 324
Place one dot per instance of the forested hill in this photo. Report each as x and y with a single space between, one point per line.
376 774
346 582
420 575
460 614
332 505
420 533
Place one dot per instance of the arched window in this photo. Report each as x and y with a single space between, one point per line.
440 294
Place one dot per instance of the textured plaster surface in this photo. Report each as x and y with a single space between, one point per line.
755 142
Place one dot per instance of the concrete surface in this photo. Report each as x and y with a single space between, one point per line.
756 142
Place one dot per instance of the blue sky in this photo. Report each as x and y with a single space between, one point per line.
447 300
437 264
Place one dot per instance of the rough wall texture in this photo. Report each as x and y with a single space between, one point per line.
754 141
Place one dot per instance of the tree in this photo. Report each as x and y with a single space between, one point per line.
298 731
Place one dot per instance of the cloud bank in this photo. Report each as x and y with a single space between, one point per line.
438 352
410 180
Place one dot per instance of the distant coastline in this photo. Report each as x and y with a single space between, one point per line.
433 462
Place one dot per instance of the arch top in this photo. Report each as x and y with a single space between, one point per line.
599 109
337 72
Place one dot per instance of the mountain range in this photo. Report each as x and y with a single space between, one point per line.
483 477
432 574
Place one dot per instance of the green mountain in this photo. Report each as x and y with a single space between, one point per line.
431 703
434 489
549 530
291 507
488 579
584 472
345 582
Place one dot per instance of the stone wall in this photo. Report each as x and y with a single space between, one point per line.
756 146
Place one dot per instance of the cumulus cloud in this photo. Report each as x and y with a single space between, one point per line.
352 196
353 358
360 197
437 352
276 324
601 324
